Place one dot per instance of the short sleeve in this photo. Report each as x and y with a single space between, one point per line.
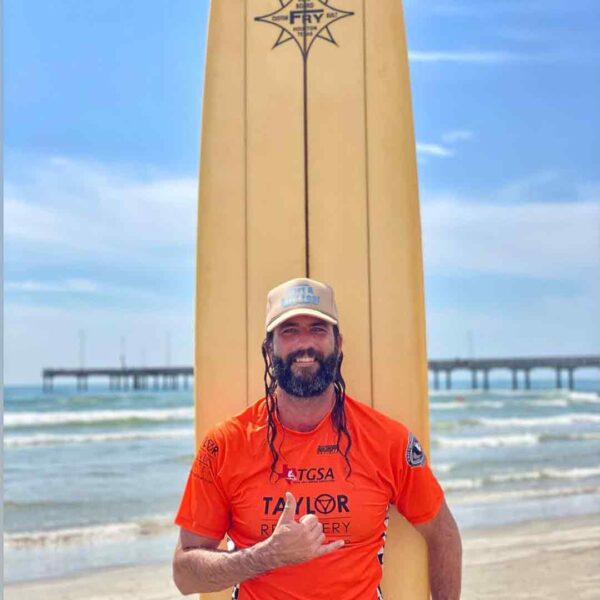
204 508
419 495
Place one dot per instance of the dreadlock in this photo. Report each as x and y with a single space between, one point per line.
338 414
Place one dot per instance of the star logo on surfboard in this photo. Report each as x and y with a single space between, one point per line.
304 21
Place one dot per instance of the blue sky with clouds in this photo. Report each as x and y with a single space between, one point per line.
102 114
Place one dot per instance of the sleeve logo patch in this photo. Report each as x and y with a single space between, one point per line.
415 456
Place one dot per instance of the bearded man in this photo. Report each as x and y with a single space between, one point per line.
301 481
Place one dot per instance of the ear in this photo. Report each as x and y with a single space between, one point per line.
269 347
339 342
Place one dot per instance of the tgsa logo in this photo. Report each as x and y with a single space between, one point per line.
312 474
323 504
289 473
306 16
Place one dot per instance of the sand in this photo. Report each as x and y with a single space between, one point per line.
543 559
538 560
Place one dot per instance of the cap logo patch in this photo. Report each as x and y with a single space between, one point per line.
300 294
415 456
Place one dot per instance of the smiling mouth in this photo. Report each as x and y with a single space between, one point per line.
305 361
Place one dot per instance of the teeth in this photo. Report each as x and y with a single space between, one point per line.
306 360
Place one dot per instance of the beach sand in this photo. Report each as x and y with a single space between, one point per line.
538 560
542 559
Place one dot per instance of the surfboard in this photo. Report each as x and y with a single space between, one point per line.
308 168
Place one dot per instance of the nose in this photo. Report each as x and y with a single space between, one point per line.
305 341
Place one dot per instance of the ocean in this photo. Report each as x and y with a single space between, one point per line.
93 479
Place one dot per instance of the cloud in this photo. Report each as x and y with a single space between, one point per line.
547 186
81 209
84 286
108 249
443 150
493 57
539 260
495 8
433 150
478 57
558 240
81 293
457 135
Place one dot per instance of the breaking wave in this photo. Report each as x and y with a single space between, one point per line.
28 419
533 475
92 534
50 439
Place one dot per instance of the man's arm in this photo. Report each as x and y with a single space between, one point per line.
198 566
445 554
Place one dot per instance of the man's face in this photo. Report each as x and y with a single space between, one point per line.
305 356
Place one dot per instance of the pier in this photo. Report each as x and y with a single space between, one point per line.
137 378
520 369
142 378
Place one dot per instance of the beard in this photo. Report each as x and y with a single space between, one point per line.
308 383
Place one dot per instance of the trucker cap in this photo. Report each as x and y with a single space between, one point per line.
300 297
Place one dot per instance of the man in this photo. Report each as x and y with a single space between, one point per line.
302 480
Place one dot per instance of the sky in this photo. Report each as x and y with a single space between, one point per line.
102 106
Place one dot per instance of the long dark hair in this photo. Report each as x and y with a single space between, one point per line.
338 414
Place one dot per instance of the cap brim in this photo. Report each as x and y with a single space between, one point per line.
299 311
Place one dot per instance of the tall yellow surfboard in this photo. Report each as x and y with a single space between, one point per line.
308 168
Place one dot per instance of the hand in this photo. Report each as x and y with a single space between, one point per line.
293 541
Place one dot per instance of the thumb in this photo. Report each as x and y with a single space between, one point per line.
289 511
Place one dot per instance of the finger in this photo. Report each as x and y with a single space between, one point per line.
309 520
314 530
287 516
331 547
316 537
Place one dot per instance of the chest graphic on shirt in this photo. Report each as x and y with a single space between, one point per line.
333 512
311 474
349 508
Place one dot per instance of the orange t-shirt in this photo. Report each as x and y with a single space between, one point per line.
230 490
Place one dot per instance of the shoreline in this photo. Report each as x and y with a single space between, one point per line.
550 558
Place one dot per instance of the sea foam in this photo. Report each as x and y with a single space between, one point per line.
488 441
463 484
568 419
530 494
25 419
50 439
90 535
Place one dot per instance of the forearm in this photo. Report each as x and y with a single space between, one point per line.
445 565
203 570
